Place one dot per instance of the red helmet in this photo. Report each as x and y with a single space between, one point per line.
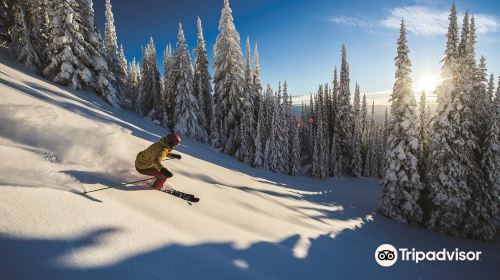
174 139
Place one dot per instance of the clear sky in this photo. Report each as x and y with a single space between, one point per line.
300 40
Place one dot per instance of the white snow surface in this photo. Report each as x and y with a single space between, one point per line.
56 142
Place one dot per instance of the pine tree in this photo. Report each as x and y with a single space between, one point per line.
122 74
256 83
319 166
246 150
150 83
186 104
480 219
228 80
76 59
258 161
284 126
364 139
447 181
6 20
491 87
111 41
401 182
335 149
273 160
423 137
356 145
21 39
202 85
344 116
169 74
215 126
134 80
295 166
368 170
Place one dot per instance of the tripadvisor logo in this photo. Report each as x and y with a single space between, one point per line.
387 255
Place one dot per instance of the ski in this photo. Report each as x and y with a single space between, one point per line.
181 195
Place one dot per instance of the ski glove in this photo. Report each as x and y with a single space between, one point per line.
175 156
166 173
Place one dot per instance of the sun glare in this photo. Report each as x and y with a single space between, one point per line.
427 83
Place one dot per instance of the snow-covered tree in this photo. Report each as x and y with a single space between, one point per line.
134 80
122 74
187 108
246 151
258 161
6 20
402 182
110 40
273 149
21 39
295 166
368 167
228 80
319 166
423 137
343 124
75 57
357 132
447 181
151 104
256 83
202 85
169 73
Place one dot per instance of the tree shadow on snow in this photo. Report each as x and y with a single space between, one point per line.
326 258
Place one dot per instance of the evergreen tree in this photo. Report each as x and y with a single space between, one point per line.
134 80
368 168
447 181
401 182
215 128
169 75
335 148
150 83
6 20
202 85
111 41
186 103
356 145
491 87
273 160
295 166
258 161
122 74
228 80
246 150
423 137
256 84
75 56
21 39
343 124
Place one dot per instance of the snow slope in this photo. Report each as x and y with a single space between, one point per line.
250 224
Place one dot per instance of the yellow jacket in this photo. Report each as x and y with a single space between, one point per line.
153 155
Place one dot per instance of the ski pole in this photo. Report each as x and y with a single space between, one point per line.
121 184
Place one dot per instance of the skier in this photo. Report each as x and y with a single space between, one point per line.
148 162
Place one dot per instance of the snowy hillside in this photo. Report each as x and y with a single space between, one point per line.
250 224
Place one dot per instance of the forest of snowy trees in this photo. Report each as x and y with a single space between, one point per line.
440 172
444 173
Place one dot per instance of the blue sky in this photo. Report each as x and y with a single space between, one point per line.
300 41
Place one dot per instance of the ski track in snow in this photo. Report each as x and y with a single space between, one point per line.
250 224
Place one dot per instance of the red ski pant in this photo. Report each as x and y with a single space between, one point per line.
158 184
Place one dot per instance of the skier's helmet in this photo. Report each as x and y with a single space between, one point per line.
174 139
